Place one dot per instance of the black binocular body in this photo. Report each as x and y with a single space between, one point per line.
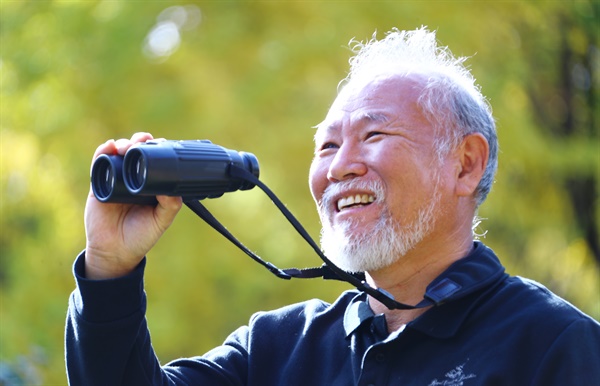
193 169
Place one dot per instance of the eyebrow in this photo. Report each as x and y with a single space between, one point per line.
368 117
375 117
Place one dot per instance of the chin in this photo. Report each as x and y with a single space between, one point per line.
372 250
356 248
359 250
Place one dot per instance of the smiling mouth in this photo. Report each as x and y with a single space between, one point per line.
355 200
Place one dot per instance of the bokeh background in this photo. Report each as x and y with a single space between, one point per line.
257 76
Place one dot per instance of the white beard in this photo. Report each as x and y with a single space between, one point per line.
359 250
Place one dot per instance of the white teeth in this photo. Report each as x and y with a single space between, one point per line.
357 199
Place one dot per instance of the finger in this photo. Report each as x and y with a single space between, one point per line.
141 137
107 147
123 145
170 203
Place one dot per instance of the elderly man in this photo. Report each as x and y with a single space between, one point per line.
406 154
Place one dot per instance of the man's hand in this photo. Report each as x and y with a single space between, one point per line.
118 236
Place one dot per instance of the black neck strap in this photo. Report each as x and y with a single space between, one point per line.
327 271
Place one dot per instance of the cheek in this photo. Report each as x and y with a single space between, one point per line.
317 179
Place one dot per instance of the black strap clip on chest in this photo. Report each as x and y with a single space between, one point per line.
327 271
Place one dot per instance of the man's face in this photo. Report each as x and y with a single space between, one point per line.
374 176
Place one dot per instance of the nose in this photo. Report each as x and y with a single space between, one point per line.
347 163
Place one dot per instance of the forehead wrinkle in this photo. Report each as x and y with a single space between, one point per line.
325 127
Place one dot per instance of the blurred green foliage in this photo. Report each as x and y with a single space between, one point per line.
256 76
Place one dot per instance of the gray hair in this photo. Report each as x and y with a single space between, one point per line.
450 98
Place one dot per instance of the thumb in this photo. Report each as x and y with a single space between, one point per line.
166 210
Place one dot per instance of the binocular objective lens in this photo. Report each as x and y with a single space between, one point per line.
104 179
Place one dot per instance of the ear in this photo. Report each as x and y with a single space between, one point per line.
473 157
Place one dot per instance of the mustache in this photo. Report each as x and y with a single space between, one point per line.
333 191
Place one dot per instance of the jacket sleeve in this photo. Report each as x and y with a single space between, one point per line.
574 356
107 341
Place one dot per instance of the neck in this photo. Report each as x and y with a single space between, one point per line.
408 278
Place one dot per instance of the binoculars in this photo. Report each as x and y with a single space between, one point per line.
194 169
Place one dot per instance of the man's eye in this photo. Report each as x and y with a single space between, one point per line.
329 145
372 134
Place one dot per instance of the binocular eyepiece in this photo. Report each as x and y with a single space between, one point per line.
194 169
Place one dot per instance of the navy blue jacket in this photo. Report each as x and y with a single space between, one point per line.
492 330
